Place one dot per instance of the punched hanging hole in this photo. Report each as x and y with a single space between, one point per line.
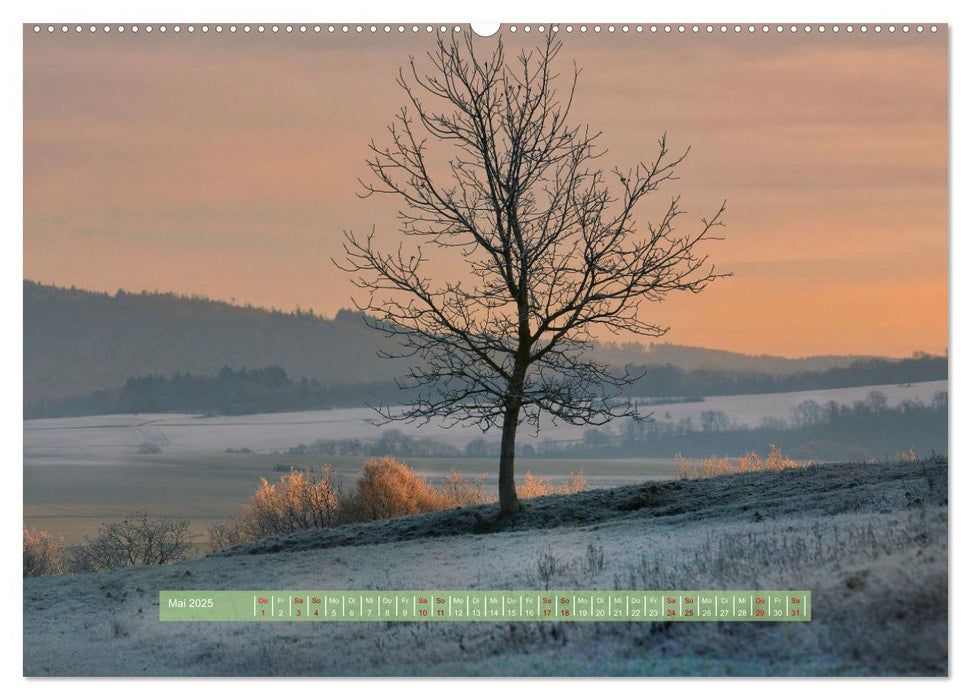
485 28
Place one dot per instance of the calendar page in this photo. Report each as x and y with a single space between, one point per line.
521 350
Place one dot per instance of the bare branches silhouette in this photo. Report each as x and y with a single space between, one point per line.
489 169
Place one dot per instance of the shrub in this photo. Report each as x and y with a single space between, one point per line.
751 462
908 457
228 534
775 461
683 465
534 486
715 466
457 491
576 482
135 541
43 554
549 566
300 500
389 488
594 563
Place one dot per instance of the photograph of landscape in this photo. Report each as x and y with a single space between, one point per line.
565 307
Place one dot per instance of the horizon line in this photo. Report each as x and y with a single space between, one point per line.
607 344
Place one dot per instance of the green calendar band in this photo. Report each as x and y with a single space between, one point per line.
485 606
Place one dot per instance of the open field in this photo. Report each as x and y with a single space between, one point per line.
80 472
97 437
870 541
71 499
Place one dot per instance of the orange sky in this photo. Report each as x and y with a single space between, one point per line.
226 165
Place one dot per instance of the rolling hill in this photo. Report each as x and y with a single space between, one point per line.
77 341
869 540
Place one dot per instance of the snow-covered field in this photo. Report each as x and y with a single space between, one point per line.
870 541
97 437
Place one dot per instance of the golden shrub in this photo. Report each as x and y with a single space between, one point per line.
775 461
752 462
386 489
43 554
389 488
576 482
534 486
298 501
458 491
683 465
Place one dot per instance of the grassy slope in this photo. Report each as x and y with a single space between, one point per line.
869 540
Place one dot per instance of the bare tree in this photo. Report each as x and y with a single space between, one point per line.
491 174
135 541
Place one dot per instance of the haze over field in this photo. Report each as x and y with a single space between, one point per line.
94 437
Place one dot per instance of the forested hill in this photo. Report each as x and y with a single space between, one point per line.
77 342
686 357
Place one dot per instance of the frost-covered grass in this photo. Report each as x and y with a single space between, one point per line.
870 541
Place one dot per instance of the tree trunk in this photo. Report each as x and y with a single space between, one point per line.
508 501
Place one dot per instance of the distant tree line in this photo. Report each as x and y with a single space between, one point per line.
270 389
391 442
668 380
230 392
867 429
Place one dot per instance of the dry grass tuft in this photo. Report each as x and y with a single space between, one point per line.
908 457
534 486
684 466
458 491
719 466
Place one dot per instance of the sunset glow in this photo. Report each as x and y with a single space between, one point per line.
211 165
